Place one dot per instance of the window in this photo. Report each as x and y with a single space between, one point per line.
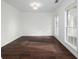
56 25
71 26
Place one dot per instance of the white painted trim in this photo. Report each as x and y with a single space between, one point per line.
75 48
70 6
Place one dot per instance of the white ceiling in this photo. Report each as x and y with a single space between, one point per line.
47 5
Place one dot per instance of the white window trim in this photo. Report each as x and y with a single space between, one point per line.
56 25
69 7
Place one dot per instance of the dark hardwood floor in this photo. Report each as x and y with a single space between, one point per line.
40 47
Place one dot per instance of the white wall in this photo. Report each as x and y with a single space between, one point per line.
9 23
37 24
60 11
16 23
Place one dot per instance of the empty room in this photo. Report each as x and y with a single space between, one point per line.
39 29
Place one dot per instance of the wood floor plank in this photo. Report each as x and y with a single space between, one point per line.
39 47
